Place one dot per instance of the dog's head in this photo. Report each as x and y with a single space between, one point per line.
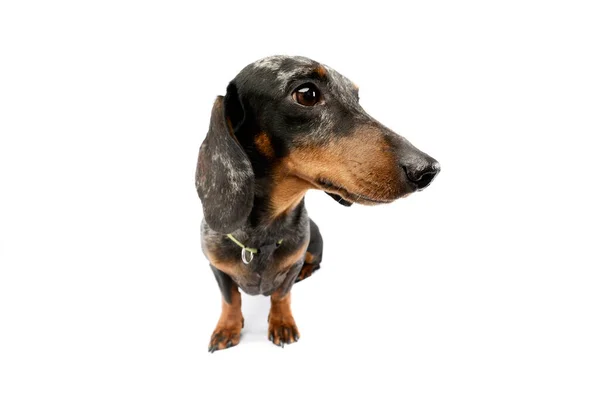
295 115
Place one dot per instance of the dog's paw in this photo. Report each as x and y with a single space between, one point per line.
283 331
306 271
224 338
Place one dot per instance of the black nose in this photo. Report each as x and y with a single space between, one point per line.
422 175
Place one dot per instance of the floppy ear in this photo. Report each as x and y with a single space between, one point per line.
224 175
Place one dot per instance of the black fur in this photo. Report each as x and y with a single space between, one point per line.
315 246
236 178
225 283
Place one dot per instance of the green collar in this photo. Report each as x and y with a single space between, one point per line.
253 250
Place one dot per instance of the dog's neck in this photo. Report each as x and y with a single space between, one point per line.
278 213
277 197
278 192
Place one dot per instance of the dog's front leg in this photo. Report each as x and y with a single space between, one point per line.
229 328
282 327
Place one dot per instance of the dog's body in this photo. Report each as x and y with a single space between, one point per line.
287 125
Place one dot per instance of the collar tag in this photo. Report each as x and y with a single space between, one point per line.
244 252
247 259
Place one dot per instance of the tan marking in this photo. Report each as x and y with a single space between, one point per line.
362 163
264 146
305 272
229 328
282 327
309 258
321 71
288 191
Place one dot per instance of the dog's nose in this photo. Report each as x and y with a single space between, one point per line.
422 174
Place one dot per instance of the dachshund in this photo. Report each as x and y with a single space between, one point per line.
287 125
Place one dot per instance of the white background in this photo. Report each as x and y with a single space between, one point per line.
484 286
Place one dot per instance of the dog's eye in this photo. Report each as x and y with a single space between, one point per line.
307 95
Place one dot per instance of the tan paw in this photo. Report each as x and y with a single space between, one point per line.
283 331
224 338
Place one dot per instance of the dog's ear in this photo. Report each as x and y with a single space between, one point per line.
224 175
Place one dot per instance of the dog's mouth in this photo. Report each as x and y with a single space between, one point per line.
345 197
340 199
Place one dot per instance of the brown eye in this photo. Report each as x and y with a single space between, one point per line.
307 95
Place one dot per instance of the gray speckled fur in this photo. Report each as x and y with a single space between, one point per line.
224 177
340 87
226 174
234 180
263 274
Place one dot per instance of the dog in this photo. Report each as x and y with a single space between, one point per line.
287 125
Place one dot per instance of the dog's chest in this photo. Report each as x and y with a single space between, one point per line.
263 275
266 272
